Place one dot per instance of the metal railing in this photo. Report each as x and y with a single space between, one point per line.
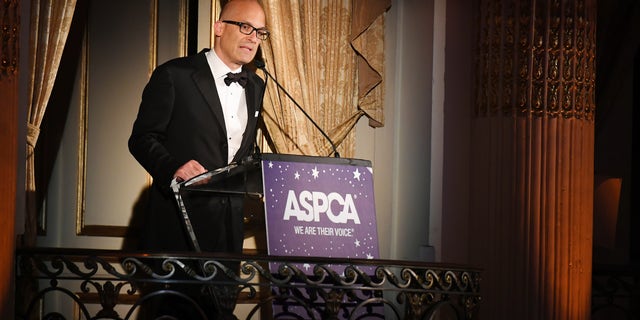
105 284
615 292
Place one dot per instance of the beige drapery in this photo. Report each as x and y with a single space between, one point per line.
329 55
50 23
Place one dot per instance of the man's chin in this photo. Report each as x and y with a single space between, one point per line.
247 58
248 61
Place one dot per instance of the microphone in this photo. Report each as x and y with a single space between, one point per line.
261 65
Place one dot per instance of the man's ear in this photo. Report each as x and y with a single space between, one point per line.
218 27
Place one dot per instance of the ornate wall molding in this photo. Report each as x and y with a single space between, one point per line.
10 26
536 58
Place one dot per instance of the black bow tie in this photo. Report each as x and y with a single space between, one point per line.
240 78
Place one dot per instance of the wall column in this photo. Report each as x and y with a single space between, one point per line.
532 158
9 155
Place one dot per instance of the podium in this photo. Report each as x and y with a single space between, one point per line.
308 205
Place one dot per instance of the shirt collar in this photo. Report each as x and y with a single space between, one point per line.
218 68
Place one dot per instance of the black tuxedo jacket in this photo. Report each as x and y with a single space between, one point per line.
180 119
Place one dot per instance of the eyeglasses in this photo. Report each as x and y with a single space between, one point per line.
248 29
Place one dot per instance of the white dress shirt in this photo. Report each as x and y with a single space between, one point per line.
233 101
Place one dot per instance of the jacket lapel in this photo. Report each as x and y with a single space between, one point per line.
207 86
252 95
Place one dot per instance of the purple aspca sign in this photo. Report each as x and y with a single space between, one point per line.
319 209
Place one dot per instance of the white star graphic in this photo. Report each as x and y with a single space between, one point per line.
356 174
357 243
315 172
297 175
270 164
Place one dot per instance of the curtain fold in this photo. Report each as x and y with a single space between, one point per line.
329 56
50 23
367 33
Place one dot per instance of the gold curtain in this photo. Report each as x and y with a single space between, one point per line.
329 56
50 23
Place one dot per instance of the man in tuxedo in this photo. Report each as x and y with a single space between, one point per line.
200 113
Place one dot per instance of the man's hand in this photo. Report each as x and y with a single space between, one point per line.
188 171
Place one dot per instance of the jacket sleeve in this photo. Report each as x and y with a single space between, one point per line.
146 142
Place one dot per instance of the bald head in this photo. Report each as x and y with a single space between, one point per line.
234 8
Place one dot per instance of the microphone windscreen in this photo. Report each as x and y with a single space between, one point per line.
259 63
